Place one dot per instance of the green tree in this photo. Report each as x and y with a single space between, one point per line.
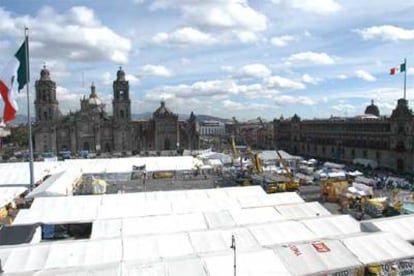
19 135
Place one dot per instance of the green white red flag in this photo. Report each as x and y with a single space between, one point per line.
398 69
15 71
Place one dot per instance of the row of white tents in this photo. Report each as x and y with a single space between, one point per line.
189 233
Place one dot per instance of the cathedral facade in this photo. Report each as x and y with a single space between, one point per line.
388 141
92 129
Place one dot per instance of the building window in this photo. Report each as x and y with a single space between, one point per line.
122 114
353 153
378 155
365 154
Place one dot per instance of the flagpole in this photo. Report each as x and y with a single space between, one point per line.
405 78
26 37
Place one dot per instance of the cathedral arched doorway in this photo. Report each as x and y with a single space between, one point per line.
86 146
167 144
107 148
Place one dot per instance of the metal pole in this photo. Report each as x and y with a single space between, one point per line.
26 37
405 78
233 246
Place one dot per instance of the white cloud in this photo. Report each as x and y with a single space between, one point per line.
309 79
256 70
237 106
362 74
310 58
282 41
132 79
198 89
343 107
215 20
410 71
107 78
247 37
233 106
278 82
286 99
386 32
313 6
155 70
75 34
342 77
218 15
184 37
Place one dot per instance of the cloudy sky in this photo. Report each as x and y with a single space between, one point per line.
243 58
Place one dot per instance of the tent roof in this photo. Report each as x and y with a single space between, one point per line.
378 247
318 257
59 184
332 226
8 194
402 226
303 210
281 232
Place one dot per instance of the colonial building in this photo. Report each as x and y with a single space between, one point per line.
389 141
92 129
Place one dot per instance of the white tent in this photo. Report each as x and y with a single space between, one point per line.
270 199
93 207
281 232
262 262
402 226
324 257
59 184
19 173
255 215
378 248
331 226
303 210
8 194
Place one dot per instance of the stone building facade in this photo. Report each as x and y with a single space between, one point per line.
389 141
93 130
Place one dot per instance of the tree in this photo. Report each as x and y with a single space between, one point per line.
19 135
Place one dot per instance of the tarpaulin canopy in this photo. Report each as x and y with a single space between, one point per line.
331 226
402 226
281 232
303 210
380 247
59 184
322 257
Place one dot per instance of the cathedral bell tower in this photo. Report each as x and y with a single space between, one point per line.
46 104
121 103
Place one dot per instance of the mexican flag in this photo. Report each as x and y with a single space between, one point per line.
14 71
398 69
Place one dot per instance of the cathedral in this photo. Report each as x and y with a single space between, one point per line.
92 129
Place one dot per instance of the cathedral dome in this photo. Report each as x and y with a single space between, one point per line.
163 111
93 98
372 109
44 73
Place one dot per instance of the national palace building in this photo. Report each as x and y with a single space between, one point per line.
92 129
389 141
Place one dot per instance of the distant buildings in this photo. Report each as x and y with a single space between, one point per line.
92 129
389 141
